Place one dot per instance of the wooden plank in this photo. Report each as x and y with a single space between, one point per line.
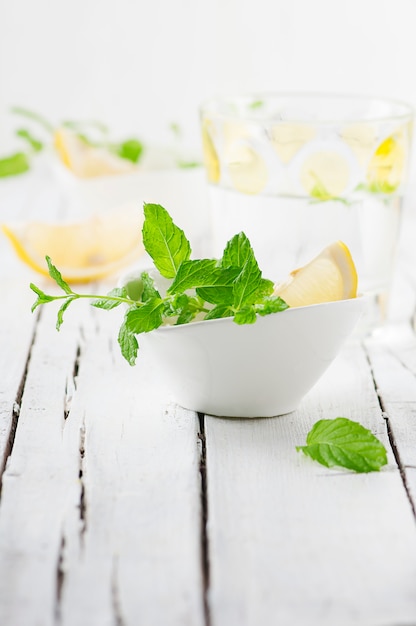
16 332
37 482
294 543
100 510
393 361
139 539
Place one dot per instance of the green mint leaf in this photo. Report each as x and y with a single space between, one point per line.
35 117
256 104
34 143
13 165
61 312
245 316
221 289
344 443
80 126
237 251
176 129
42 298
273 304
192 274
128 343
164 241
247 284
108 304
187 165
132 150
185 317
146 318
265 288
57 277
149 289
218 312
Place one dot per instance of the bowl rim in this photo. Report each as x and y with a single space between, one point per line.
359 299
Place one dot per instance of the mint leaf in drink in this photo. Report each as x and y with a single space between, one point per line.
344 443
14 164
128 343
164 241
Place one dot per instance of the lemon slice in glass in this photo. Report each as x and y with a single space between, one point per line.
325 174
362 139
211 161
82 251
287 139
328 277
86 161
247 168
386 167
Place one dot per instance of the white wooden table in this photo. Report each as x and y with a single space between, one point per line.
119 508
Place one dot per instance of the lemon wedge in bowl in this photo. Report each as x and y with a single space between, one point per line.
84 250
329 277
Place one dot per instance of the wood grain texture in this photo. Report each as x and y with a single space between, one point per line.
16 331
294 543
100 510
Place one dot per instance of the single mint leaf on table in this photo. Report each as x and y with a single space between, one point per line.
344 443
128 343
164 241
14 164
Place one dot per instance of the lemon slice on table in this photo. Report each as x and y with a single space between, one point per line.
85 160
328 277
82 251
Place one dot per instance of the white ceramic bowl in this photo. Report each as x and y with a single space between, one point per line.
255 370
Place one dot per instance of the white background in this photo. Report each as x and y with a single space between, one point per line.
139 65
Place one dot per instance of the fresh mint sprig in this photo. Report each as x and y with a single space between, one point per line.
232 286
341 442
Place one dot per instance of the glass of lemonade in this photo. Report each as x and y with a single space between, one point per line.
296 172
